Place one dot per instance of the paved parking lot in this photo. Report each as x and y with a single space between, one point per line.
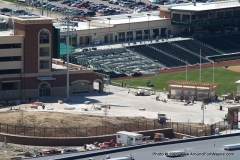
58 3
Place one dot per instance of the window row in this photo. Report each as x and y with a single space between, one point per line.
44 37
12 58
44 51
44 64
10 46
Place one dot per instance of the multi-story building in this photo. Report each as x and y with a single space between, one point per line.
26 68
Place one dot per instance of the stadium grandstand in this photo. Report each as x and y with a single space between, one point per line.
179 34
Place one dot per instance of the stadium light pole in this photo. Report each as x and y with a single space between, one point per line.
109 31
148 27
129 58
67 54
89 21
186 71
155 83
213 71
200 65
129 30
226 79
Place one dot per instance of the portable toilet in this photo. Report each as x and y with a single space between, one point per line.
129 138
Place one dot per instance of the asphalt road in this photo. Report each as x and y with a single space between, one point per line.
199 150
199 147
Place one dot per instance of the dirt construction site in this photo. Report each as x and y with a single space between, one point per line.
116 106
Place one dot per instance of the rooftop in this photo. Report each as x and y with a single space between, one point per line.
32 17
205 6
6 33
103 22
122 19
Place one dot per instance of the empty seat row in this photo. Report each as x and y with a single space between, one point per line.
153 54
179 53
195 47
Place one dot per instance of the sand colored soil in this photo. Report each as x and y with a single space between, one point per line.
234 68
52 119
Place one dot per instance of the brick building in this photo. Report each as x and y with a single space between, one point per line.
26 62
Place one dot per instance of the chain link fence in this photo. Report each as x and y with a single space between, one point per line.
104 129
200 130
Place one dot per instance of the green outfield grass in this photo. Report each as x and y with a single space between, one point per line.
220 75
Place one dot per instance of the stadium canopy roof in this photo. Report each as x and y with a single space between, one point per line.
205 6
191 84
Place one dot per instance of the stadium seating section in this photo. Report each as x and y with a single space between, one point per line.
150 57
195 47
227 43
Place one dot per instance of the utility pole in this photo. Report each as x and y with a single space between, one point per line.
41 9
67 48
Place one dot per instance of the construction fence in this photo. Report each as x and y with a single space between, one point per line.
199 130
104 129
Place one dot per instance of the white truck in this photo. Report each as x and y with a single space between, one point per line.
129 138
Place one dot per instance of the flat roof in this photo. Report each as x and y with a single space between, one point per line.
129 133
6 33
137 17
103 22
206 6
34 17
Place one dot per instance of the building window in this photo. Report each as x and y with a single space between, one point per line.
44 51
44 37
44 64
121 37
10 46
11 86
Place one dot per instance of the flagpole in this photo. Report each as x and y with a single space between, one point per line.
200 74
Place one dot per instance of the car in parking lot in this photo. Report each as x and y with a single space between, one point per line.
19 12
89 14
83 4
151 7
142 9
65 1
5 10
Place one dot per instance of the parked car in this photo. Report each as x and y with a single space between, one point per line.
84 5
143 9
89 14
156 1
70 150
65 1
51 152
152 7
5 10
106 145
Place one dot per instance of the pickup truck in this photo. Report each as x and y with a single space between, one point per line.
106 145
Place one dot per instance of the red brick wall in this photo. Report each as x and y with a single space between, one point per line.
61 79
166 14
19 29
59 82
31 32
